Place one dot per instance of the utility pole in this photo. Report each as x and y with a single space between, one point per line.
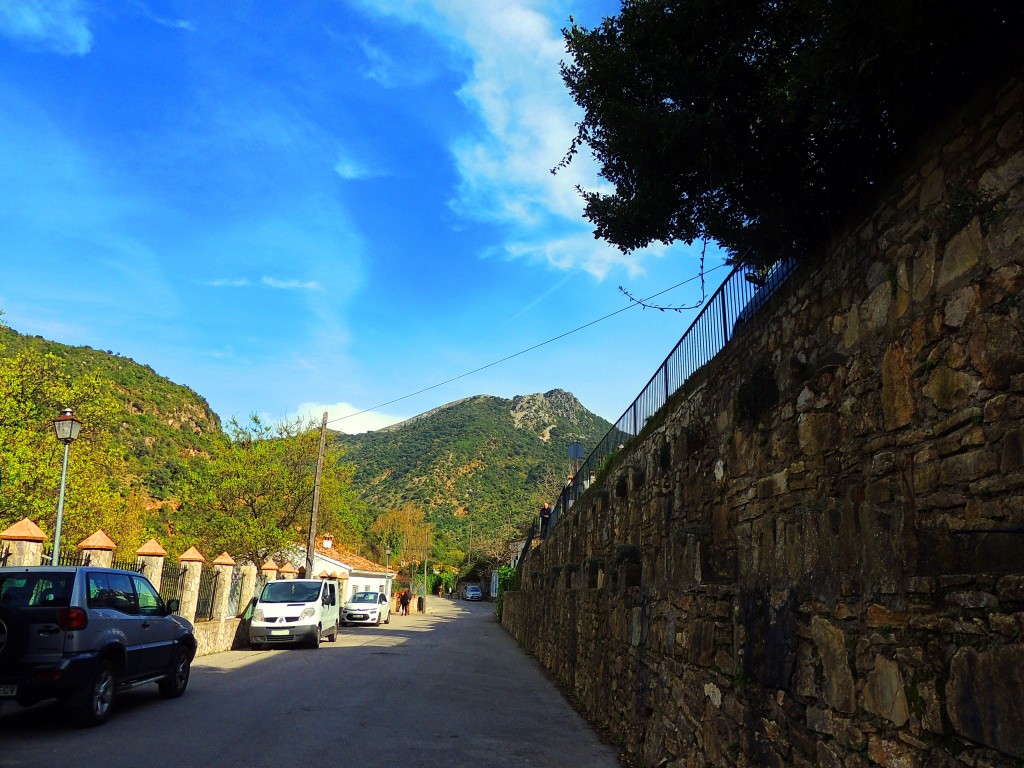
311 544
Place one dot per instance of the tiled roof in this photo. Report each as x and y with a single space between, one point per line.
352 560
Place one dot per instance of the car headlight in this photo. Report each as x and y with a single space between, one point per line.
307 613
257 615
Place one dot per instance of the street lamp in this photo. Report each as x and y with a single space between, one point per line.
67 428
387 570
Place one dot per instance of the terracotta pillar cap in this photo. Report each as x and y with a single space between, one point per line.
192 556
25 530
98 540
151 548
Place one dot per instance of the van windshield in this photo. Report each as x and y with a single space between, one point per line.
290 592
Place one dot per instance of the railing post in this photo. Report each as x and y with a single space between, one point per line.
99 549
152 556
192 565
222 566
248 586
22 544
289 571
725 321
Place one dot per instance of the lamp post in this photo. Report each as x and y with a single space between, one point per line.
67 429
387 571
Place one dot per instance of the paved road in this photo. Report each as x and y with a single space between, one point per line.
449 688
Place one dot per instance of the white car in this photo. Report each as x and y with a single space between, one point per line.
366 608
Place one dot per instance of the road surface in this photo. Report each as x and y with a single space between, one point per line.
449 688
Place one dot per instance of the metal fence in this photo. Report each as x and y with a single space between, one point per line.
68 556
207 594
128 563
732 306
172 581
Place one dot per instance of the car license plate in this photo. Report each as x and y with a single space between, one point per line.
8 690
279 631
358 615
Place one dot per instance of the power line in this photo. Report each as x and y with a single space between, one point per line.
528 349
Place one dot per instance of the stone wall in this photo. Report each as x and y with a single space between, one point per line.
815 554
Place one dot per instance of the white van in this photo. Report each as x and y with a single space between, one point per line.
295 611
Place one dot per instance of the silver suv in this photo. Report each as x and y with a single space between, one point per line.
79 634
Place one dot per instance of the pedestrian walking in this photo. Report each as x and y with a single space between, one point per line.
404 601
545 519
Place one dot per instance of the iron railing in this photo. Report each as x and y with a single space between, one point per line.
172 581
128 563
207 594
68 556
731 307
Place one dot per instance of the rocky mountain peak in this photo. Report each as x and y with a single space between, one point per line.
540 412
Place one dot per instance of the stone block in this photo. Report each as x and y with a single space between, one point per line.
985 697
892 754
897 399
961 255
831 644
884 694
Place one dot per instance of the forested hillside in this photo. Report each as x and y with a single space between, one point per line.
154 461
142 433
479 467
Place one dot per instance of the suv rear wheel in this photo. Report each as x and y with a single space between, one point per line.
174 685
92 706
13 636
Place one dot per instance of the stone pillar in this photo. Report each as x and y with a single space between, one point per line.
224 566
343 586
22 544
248 585
99 550
152 557
288 571
192 564
270 571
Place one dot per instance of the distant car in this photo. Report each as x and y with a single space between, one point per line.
80 634
367 608
472 592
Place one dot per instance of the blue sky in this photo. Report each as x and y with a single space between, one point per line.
312 205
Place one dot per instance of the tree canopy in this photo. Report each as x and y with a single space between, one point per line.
763 124
255 497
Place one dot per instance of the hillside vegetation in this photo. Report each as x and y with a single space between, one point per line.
478 467
154 461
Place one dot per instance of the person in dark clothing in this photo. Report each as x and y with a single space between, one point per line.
545 519
404 601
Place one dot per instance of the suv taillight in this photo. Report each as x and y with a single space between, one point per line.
70 619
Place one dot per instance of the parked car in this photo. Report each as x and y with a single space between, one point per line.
81 634
472 592
295 612
367 608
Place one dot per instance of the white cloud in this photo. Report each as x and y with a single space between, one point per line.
527 121
350 170
583 251
291 285
345 417
227 283
165 21
59 25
